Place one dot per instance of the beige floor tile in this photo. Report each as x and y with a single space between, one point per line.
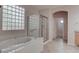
58 46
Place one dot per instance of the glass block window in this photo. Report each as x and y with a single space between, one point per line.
13 17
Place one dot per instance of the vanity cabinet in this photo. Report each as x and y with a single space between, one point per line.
77 38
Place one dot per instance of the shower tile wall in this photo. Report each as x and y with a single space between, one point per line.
34 25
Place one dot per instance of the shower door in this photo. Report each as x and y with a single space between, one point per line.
44 27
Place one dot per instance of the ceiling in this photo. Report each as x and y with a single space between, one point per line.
40 7
46 6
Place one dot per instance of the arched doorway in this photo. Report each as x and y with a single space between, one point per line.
61 22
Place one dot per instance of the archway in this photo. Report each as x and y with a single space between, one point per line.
61 22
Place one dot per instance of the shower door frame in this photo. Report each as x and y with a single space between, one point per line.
44 24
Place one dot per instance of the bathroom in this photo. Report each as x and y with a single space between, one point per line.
24 37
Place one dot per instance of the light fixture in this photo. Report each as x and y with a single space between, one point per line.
61 21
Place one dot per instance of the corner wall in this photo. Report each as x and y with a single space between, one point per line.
48 13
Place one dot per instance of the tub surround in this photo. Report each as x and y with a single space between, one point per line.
23 44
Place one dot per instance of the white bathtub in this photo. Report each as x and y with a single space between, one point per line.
21 45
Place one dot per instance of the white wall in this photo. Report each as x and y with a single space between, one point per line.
73 24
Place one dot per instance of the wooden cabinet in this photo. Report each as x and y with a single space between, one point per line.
77 38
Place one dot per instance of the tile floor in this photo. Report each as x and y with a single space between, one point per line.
58 46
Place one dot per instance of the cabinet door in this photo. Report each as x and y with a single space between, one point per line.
77 38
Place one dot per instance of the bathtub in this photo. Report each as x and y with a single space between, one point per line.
22 45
